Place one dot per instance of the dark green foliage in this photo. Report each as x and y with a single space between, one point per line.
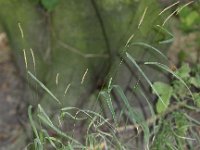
171 133
49 5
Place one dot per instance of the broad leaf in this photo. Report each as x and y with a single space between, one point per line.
195 81
165 92
184 71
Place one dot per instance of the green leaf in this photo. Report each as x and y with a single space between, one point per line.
49 4
179 90
184 71
191 18
181 124
188 17
166 68
195 81
165 92
197 99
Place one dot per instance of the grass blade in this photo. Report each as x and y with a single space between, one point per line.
37 141
151 47
44 87
146 78
45 119
108 99
136 117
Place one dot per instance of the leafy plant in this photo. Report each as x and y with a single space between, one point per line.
171 131
174 128
178 90
189 18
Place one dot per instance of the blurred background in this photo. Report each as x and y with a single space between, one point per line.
75 47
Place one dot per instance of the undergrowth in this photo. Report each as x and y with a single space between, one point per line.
172 123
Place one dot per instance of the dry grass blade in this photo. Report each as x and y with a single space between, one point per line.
169 17
57 77
169 7
25 59
84 75
21 31
67 88
179 9
142 18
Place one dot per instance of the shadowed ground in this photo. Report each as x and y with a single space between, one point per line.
11 101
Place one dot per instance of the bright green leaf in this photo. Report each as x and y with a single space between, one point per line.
195 81
165 92
184 71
